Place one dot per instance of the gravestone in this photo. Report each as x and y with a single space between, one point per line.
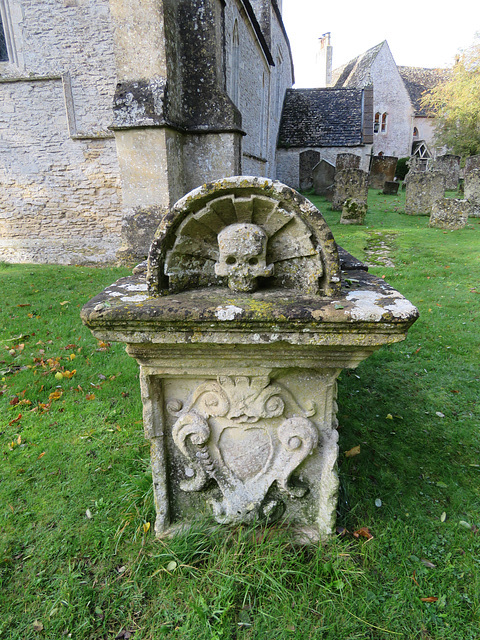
382 169
347 161
390 188
449 213
241 327
350 183
307 161
449 166
471 163
472 191
423 191
323 178
353 211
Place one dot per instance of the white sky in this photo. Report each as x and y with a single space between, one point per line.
420 33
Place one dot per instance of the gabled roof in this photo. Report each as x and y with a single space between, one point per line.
322 118
356 73
418 81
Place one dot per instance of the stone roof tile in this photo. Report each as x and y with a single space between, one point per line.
418 81
321 118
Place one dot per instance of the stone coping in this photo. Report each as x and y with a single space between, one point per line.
367 311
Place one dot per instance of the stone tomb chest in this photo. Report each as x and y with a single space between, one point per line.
241 326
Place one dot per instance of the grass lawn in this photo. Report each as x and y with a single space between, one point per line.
77 555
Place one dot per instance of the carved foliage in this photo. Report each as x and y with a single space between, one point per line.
244 433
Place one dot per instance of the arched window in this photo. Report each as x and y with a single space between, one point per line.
262 117
235 71
376 125
384 123
3 43
415 132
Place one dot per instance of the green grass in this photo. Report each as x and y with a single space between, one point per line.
77 555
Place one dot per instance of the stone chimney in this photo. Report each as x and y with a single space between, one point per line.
324 58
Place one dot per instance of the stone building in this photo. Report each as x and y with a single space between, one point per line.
319 124
402 126
112 110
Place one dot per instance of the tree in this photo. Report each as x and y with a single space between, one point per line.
455 104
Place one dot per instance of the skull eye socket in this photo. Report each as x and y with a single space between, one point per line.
230 260
253 261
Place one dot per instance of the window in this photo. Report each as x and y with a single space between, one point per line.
380 123
384 122
415 132
3 43
235 71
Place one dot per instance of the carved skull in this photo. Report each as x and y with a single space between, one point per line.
243 249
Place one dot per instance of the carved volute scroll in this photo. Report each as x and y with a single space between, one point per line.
244 233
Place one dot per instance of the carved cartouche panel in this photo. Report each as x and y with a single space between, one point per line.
245 433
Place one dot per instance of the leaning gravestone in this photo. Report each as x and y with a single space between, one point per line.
472 191
449 213
350 183
382 170
423 191
323 176
307 160
449 165
390 188
347 161
241 327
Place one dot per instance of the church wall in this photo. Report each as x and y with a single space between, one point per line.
59 178
391 97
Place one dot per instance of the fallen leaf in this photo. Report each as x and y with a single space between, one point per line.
171 566
64 302
467 525
17 419
378 502
69 374
439 414
55 395
90 396
354 451
389 416
442 485
443 517
41 455
363 532
15 400
37 626
146 527
429 599
88 513
428 564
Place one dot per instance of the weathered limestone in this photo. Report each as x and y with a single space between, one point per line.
390 188
347 161
472 191
424 190
449 166
307 161
350 183
471 163
449 213
382 169
323 176
241 328
353 211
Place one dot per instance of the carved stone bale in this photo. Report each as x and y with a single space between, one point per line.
423 191
350 183
241 328
347 161
449 213
472 191
471 163
323 178
390 188
383 168
449 166
353 211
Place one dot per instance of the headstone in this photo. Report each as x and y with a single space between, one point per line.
347 161
349 183
423 191
390 188
472 191
353 211
382 170
471 163
241 327
323 178
449 165
449 213
307 160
